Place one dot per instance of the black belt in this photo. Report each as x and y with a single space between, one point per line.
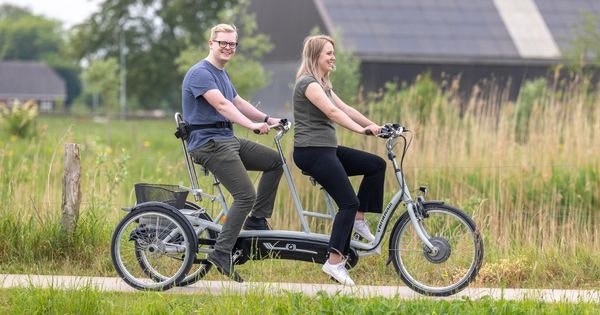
218 124
184 129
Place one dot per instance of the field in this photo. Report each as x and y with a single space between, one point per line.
89 301
528 173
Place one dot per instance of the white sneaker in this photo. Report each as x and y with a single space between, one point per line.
362 228
338 272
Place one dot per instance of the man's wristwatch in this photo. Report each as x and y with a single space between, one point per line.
267 118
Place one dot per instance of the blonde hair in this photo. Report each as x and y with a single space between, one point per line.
222 28
313 45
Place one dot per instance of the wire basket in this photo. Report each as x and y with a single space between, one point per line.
173 195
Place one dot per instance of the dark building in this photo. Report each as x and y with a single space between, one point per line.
495 44
31 80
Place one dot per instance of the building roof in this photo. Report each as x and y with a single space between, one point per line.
562 17
464 31
30 80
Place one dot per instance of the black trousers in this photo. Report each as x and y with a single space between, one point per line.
330 167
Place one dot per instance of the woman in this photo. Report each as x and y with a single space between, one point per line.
316 108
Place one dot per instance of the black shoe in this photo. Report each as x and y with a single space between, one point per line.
254 223
224 264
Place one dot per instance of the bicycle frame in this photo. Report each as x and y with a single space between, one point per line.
403 195
302 213
363 249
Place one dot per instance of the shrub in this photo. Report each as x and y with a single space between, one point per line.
532 95
19 119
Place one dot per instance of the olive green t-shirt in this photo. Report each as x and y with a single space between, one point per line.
312 128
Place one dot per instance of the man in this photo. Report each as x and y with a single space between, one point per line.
210 105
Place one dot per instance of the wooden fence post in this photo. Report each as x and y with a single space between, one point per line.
71 190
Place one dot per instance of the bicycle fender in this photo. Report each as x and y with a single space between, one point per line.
433 202
405 214
143 205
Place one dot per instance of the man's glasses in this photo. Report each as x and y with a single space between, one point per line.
224 44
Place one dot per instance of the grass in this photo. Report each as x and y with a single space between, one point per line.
86 300
534 192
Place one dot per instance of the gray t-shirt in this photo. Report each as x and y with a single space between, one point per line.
312 128
202 77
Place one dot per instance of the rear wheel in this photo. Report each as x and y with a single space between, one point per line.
458 255
206 239
151 248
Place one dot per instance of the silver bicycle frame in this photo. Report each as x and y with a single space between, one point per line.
302 214
402 195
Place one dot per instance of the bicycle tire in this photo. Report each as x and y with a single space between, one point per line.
152 240
203 266
449 270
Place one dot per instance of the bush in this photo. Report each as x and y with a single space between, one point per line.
19 119
532 95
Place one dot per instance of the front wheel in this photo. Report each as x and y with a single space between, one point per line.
454 263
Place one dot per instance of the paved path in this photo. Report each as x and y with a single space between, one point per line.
216 287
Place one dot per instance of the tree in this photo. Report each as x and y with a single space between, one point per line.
101 78
25 36
346 76
155 33
8 11
585 43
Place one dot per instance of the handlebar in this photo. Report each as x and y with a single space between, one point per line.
391 131
284 125
388 130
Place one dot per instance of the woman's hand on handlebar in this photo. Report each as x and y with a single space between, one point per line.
372 130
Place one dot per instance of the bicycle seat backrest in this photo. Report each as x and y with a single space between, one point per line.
183 130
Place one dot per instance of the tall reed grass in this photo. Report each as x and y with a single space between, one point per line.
528 172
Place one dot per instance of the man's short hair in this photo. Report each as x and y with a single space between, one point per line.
222 28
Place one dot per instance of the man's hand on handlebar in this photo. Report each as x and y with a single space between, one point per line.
272 123
260 128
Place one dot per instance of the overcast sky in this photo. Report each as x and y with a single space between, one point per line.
69 11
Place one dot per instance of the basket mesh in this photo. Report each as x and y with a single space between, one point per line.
169 194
